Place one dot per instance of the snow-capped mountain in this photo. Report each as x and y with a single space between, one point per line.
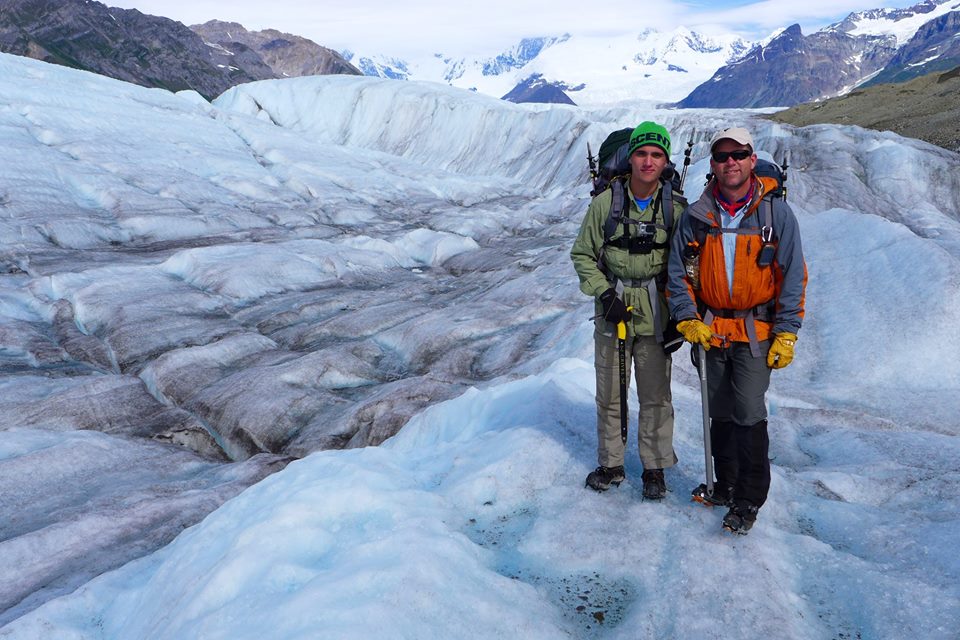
695 70
792 68
521 55
380 67
934 47
452 68
902 24
659 66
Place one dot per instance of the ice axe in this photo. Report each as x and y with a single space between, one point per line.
622 353
707 449
705 402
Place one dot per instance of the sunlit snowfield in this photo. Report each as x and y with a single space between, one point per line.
195 295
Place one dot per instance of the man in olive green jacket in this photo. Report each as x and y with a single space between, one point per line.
626 274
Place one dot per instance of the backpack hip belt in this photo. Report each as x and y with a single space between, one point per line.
765 312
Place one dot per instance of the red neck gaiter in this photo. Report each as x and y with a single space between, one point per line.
732 207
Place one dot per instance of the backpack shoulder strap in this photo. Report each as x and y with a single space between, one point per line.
666 205
667 199
618 199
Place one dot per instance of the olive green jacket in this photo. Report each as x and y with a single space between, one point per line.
622 264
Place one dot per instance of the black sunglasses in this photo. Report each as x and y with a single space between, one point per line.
721 156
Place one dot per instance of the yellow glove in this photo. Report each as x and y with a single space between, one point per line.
781 350
695 332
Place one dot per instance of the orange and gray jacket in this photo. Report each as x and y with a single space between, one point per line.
762 300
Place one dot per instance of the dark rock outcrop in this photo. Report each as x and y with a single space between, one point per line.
287 55
537 89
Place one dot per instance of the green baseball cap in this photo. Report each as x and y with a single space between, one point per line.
650 133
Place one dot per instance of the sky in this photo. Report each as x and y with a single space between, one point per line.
255 261
460 28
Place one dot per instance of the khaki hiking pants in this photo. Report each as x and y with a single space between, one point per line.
654 426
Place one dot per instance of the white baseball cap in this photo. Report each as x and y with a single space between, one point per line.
737 134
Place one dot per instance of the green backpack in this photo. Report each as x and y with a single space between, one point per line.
613 161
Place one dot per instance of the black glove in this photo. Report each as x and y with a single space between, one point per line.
672 338
613 308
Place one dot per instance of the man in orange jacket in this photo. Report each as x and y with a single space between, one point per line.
736 286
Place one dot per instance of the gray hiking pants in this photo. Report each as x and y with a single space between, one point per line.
737 383
651 368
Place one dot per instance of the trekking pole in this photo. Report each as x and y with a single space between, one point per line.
686 162
622 353
786 159
592 163
705 402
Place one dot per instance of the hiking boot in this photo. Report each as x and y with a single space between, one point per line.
722 496
654 486
740 518
602 477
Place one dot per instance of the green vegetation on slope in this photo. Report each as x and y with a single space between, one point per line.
926 108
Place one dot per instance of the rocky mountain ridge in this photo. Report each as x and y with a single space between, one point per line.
124 44
934 47
286 54
794 68
154 51
879 45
